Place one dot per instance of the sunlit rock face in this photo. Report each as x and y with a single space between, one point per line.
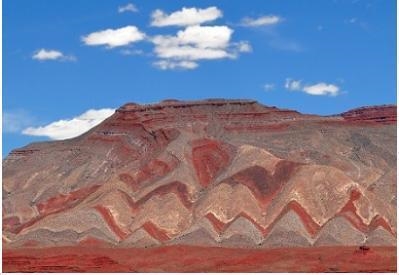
229 173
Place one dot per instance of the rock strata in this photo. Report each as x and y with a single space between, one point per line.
229 173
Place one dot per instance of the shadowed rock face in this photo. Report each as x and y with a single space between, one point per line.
230 173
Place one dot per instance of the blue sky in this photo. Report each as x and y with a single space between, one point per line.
59 62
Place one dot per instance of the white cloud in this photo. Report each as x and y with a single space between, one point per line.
190 53
266 20
196 43
168 64
293 85
16 120
182 50
205 36
114 37
320 88
244 47
268 87
69 128
127 8
44 54
185 17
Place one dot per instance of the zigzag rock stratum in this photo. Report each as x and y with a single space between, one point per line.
230 173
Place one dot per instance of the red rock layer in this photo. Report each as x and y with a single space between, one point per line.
65 201
264 185
176 187
381 114
210 157
201 259
10 223
310 225
153 170
220 226
155 232
53 205
232 114
349 212
107 216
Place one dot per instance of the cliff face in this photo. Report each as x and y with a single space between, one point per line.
228 173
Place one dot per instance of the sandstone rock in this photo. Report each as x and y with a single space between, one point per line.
230 173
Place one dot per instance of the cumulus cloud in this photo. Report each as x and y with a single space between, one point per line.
183 49
196 43
185 17
320 88
266 20
114 37
69 128
44 55
127 8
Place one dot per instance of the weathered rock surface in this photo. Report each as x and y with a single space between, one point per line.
230 173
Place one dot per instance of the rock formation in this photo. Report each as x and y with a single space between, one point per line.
228 173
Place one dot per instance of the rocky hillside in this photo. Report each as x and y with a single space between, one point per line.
230 173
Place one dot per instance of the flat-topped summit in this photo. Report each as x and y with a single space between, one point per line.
182 104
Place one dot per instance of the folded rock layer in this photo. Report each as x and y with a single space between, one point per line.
229 173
